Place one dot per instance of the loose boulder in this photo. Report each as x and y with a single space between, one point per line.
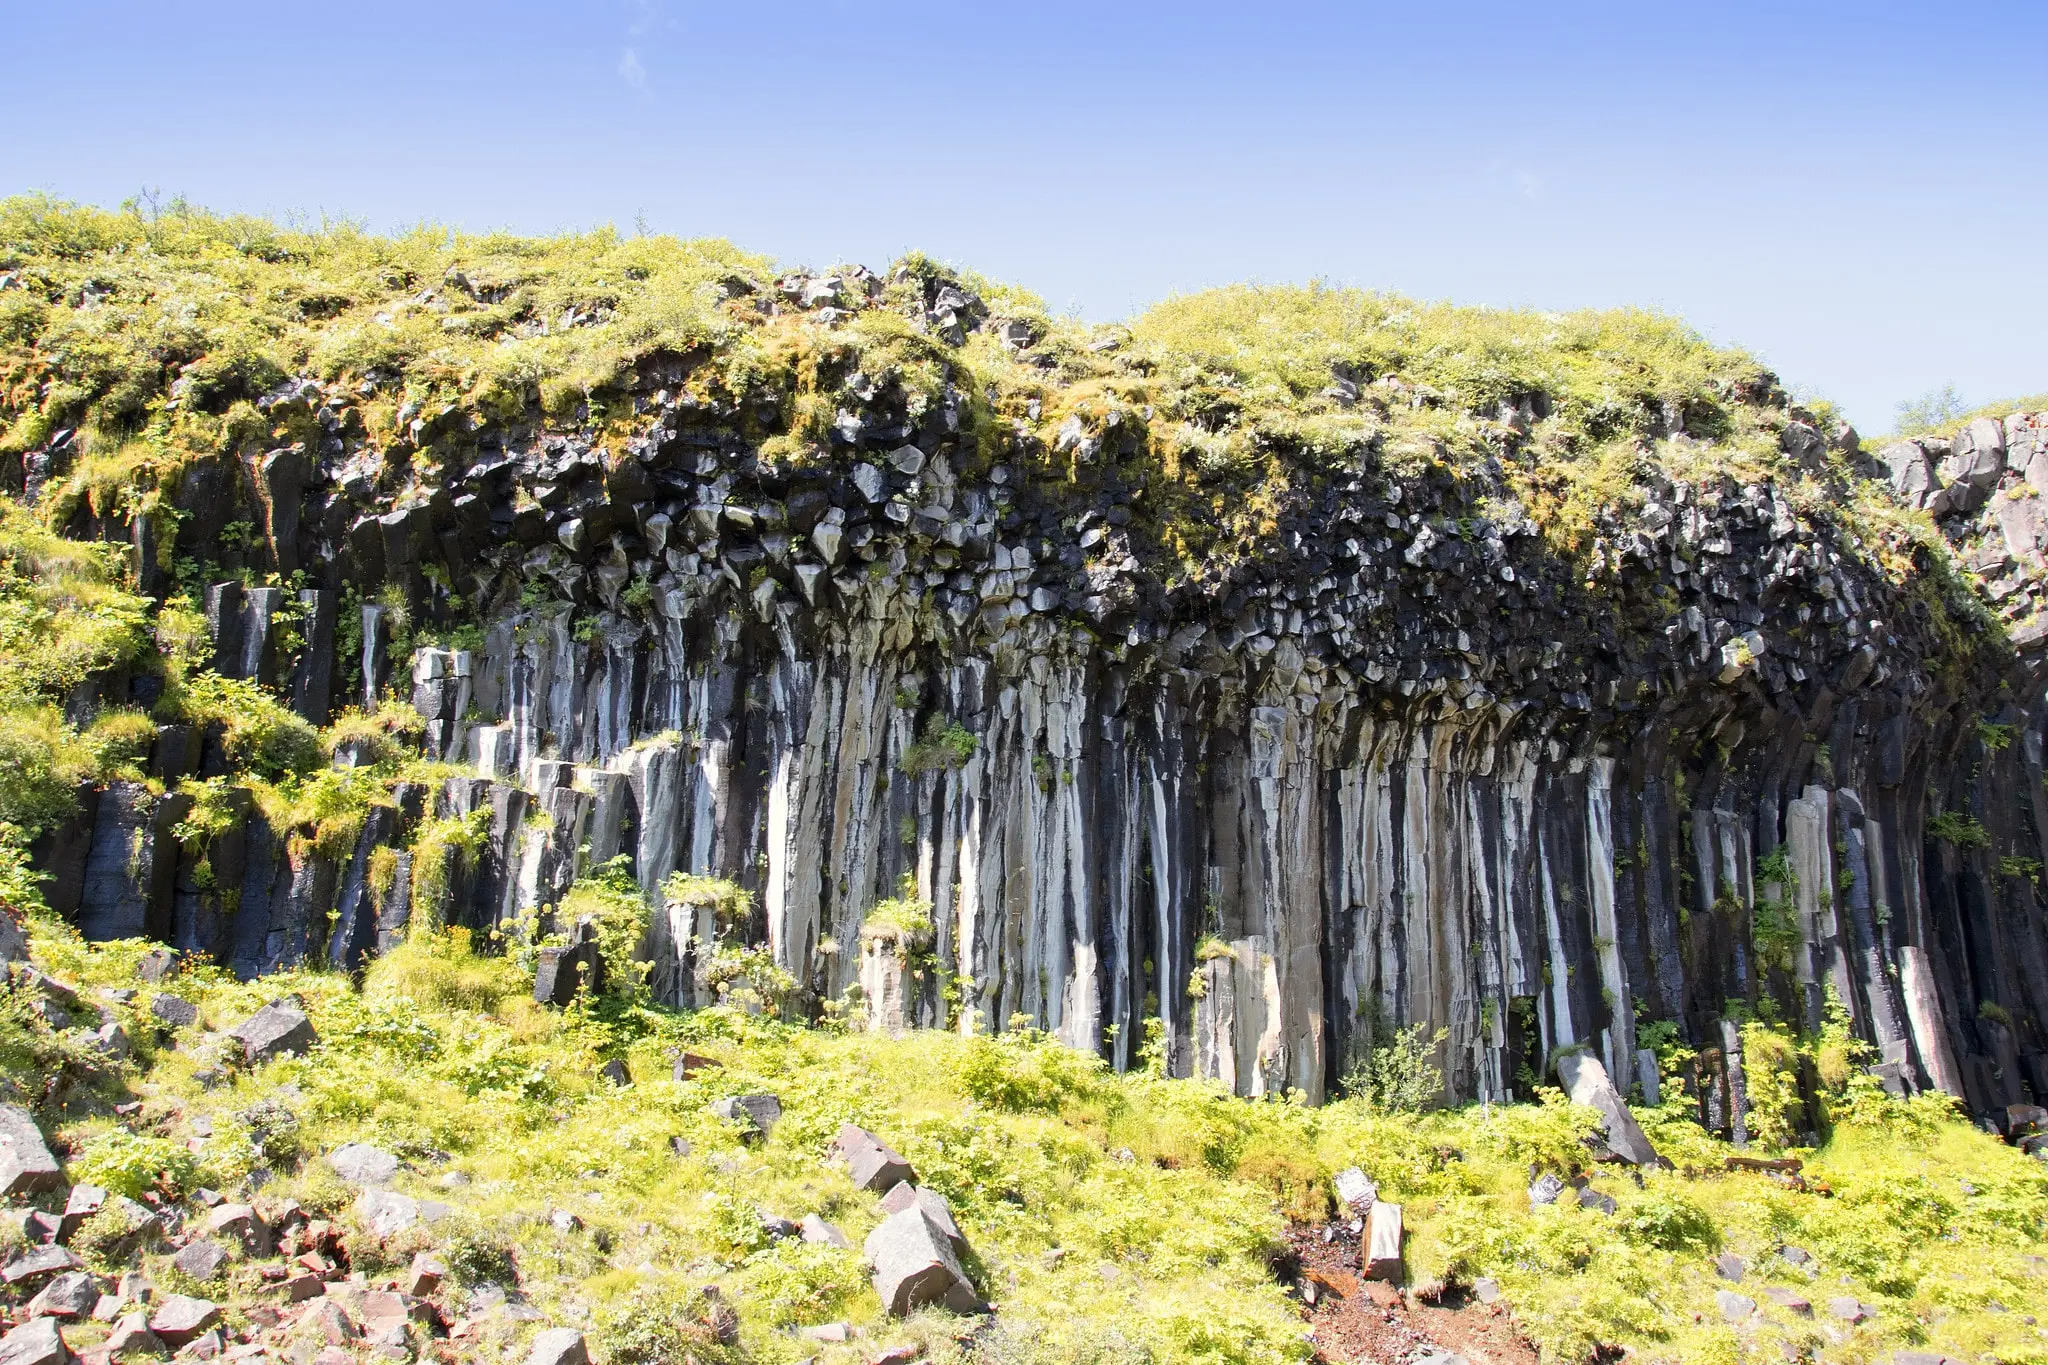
874 1165
1585 1080
239 1224
174 1011
72 1295
816 1230
180 1318
558 1346
26 1166
758 1112
907 1196
201 1259
914 1266
1356 1189
37 1262
1382 1251
361 1164
35 1342
276 1030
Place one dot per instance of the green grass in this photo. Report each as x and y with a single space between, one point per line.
1165 1199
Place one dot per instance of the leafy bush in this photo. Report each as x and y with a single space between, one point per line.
130 1163
261 735
1025 1070
658 1325
1958 830
1400 1074
613 901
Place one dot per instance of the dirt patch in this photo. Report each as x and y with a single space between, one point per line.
1368 1322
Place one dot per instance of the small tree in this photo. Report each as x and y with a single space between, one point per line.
1400 1074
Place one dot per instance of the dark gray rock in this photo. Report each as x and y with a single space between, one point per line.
175 1011
1585 1081
558 1346
201 1259
36 1342
872 1163
36 1263
240 1225
1597 1202
564 970
1545 1189
914 1266
359 1163
1729 1266
757 1113
276 1030
26 1166
180 1318
71 1295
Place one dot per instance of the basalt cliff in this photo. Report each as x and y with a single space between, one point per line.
1280 670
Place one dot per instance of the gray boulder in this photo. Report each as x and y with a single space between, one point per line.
1545 1189
180 1318
239 1223
175 1011
914 1266
1730 1267
131 1336
1356 1189
36 1262
816 1230
873 1163
201 1259
758 1112
1585 1080
359 1163
72 1295
26 1166
1913 479
1974 464
558 1346
276 1030
907 1196
1734 1307
36 1342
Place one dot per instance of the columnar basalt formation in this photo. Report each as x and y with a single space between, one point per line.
1409 758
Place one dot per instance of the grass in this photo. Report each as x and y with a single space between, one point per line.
1123 1217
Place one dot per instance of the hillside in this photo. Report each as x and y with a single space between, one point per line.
1140 772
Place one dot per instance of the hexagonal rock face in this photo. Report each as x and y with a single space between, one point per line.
179 1318
915 1266
874 1165
26 1166
275 1030
34 1343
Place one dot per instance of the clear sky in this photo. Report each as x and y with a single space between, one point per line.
1856 192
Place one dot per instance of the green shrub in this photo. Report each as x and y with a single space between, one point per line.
129 1163
659 1325
260 734
1400 1074
1958 830
1026 1071
613 901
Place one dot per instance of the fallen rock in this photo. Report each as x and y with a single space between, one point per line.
689 1064
37 1262
1730 1267
829 1332
1486 1289
914 1266
176 1011
873 1163
387 1214
1585 1080
82 1203
131 1336
201 1259
1381 1255
36 1342
239 1224
907 1196
558 1346
72 1295
758 1112
1545 1189
1597 1202
615 1072
361 1164
899 1355
1922 1358
424 1277
1356 1189
1850 1310
1791 1300
819 1232
275 1030
180 1318
26 1166
156 964
1734 1307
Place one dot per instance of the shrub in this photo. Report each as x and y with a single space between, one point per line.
261 735
659 1324
438 970
130 1163
1400 1074
613 901
1026 1071
1958 830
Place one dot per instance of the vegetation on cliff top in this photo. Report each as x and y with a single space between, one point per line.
149 335
1124 1218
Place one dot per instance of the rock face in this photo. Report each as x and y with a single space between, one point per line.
1409 759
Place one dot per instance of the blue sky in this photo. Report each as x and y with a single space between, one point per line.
1857 193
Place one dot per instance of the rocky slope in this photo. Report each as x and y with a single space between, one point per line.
1288 667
